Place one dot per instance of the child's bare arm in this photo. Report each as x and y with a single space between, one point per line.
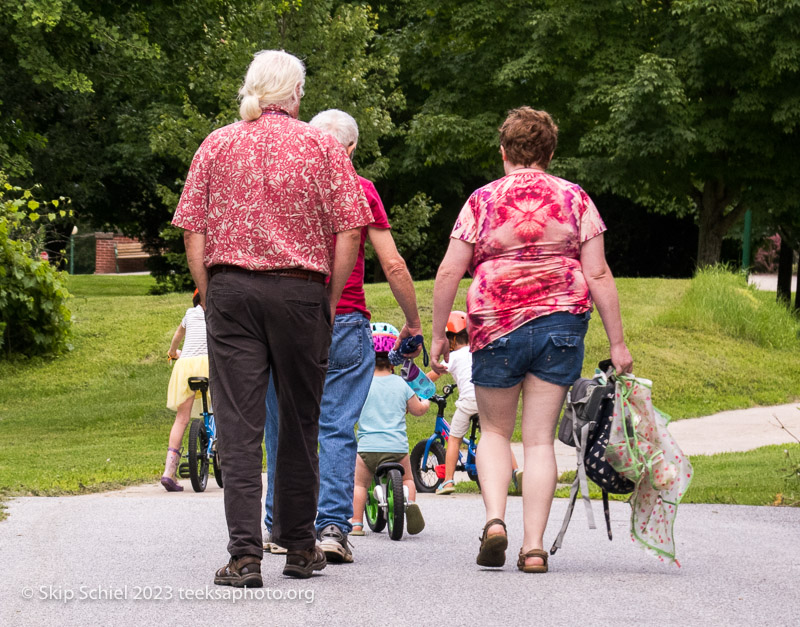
432 375
173 351
417 407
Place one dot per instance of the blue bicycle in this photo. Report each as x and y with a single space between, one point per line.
202 443
427 456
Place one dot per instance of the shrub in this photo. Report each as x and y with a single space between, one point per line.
766 259
34 318
720 300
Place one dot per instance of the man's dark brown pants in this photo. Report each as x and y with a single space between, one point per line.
260 323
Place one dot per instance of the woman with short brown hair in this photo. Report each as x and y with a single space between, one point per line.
534 245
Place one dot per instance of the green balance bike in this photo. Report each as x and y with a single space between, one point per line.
387 500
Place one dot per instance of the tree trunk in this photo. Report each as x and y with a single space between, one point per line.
785 259
709 245
714 222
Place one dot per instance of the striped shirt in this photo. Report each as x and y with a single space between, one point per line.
194 344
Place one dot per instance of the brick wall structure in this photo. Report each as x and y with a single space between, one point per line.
105 262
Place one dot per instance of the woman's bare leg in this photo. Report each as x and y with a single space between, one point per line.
498 411
541 405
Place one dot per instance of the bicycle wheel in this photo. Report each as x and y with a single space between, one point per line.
425 478
217 469
198 460
396 510
373 512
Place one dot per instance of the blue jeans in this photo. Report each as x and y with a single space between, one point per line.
550 348
351 363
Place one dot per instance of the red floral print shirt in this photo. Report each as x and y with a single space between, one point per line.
270 194
527 228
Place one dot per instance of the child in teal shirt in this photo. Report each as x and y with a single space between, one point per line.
382 434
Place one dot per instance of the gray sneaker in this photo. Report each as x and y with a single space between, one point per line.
270 546
333 541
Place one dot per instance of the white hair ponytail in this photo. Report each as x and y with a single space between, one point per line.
249 109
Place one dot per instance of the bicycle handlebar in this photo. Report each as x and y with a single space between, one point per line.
447 390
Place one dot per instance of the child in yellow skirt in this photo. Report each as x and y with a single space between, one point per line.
192 361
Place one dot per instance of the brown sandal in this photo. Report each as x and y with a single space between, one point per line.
493 547
532 568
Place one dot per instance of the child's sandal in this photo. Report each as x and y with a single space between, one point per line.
532 568
358 529
170 485
493 547
448 487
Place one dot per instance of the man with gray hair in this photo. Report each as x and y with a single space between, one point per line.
260 207
351 364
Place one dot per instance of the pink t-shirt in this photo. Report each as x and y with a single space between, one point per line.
270 193
353 299
527 228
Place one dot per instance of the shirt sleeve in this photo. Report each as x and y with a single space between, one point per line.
191 213
346 202
466 226
591 224
409 392
379 218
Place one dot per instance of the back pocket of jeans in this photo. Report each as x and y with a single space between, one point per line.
564 353
347 347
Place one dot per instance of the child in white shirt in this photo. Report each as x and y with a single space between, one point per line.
460 368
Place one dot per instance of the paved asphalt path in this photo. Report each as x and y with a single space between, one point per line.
740 566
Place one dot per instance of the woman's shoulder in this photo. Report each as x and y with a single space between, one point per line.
488 189
557 180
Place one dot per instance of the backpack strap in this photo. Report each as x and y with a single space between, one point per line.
573 494
580 475
607 514
580 483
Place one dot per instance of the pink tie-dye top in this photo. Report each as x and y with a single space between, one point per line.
527 228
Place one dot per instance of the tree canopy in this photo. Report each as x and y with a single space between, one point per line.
689 106
686 107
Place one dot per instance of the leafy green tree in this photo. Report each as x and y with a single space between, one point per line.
685 106
107 101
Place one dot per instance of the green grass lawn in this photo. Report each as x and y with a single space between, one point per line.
96 418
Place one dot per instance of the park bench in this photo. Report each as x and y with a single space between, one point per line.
132 250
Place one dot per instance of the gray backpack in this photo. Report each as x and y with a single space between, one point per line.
586 425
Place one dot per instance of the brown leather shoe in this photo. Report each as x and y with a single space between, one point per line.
302 563
242 572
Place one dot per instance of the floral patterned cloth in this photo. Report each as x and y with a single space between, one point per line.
647 454
270 194
527 228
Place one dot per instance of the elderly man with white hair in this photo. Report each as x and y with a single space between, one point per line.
260 207
350 368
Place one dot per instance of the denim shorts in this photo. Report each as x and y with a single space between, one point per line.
550 348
